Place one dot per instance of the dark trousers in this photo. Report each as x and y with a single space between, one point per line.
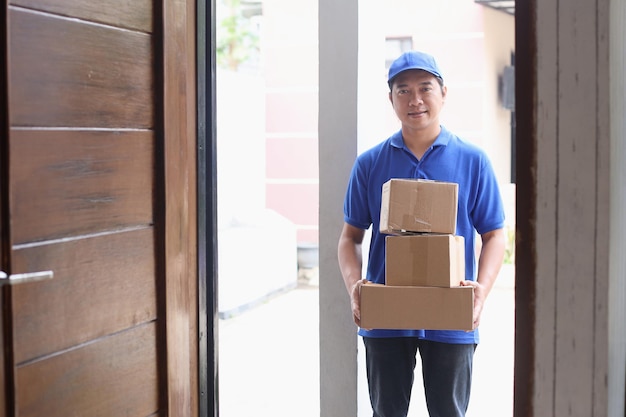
446 372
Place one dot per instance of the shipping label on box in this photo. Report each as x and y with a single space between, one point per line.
428 260
414 308
414 205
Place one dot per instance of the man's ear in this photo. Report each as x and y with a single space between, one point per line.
391 98
444 91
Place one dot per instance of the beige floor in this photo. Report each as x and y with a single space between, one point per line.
269 354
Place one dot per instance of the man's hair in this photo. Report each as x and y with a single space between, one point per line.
439 80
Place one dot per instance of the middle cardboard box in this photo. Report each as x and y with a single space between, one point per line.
424 260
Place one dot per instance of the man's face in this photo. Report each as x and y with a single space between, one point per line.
417 98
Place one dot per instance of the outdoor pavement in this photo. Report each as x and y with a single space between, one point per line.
268 357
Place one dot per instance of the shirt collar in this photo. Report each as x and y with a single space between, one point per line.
442 139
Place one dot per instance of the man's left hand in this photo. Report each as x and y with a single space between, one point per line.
479 299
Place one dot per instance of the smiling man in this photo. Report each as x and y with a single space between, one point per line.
422 149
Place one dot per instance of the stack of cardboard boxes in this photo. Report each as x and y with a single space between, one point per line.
425 261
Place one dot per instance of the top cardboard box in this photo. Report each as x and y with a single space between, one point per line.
421 206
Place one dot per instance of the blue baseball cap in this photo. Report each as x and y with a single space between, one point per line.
413 60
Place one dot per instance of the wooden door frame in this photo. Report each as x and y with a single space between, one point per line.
184 209
525 152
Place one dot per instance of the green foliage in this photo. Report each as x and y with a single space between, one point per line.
237 39
509 251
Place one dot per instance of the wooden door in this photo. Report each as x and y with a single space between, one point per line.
88 166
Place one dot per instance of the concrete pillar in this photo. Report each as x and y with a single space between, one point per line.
338 58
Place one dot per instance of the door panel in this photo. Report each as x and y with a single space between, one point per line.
101 180
89 297
66 72
121 382
135 14
82 196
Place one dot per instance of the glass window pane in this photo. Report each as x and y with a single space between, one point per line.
267 171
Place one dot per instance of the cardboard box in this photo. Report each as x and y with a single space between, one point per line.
432 308
413 205
425 260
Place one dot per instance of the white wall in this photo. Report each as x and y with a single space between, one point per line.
499 44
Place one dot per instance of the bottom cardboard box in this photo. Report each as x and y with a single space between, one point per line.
431 308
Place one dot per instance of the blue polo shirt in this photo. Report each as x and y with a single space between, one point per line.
449 159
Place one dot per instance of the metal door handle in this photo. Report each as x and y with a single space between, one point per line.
24 278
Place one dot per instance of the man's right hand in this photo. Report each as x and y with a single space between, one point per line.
351 264
355 301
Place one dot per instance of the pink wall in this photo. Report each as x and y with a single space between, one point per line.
289 48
